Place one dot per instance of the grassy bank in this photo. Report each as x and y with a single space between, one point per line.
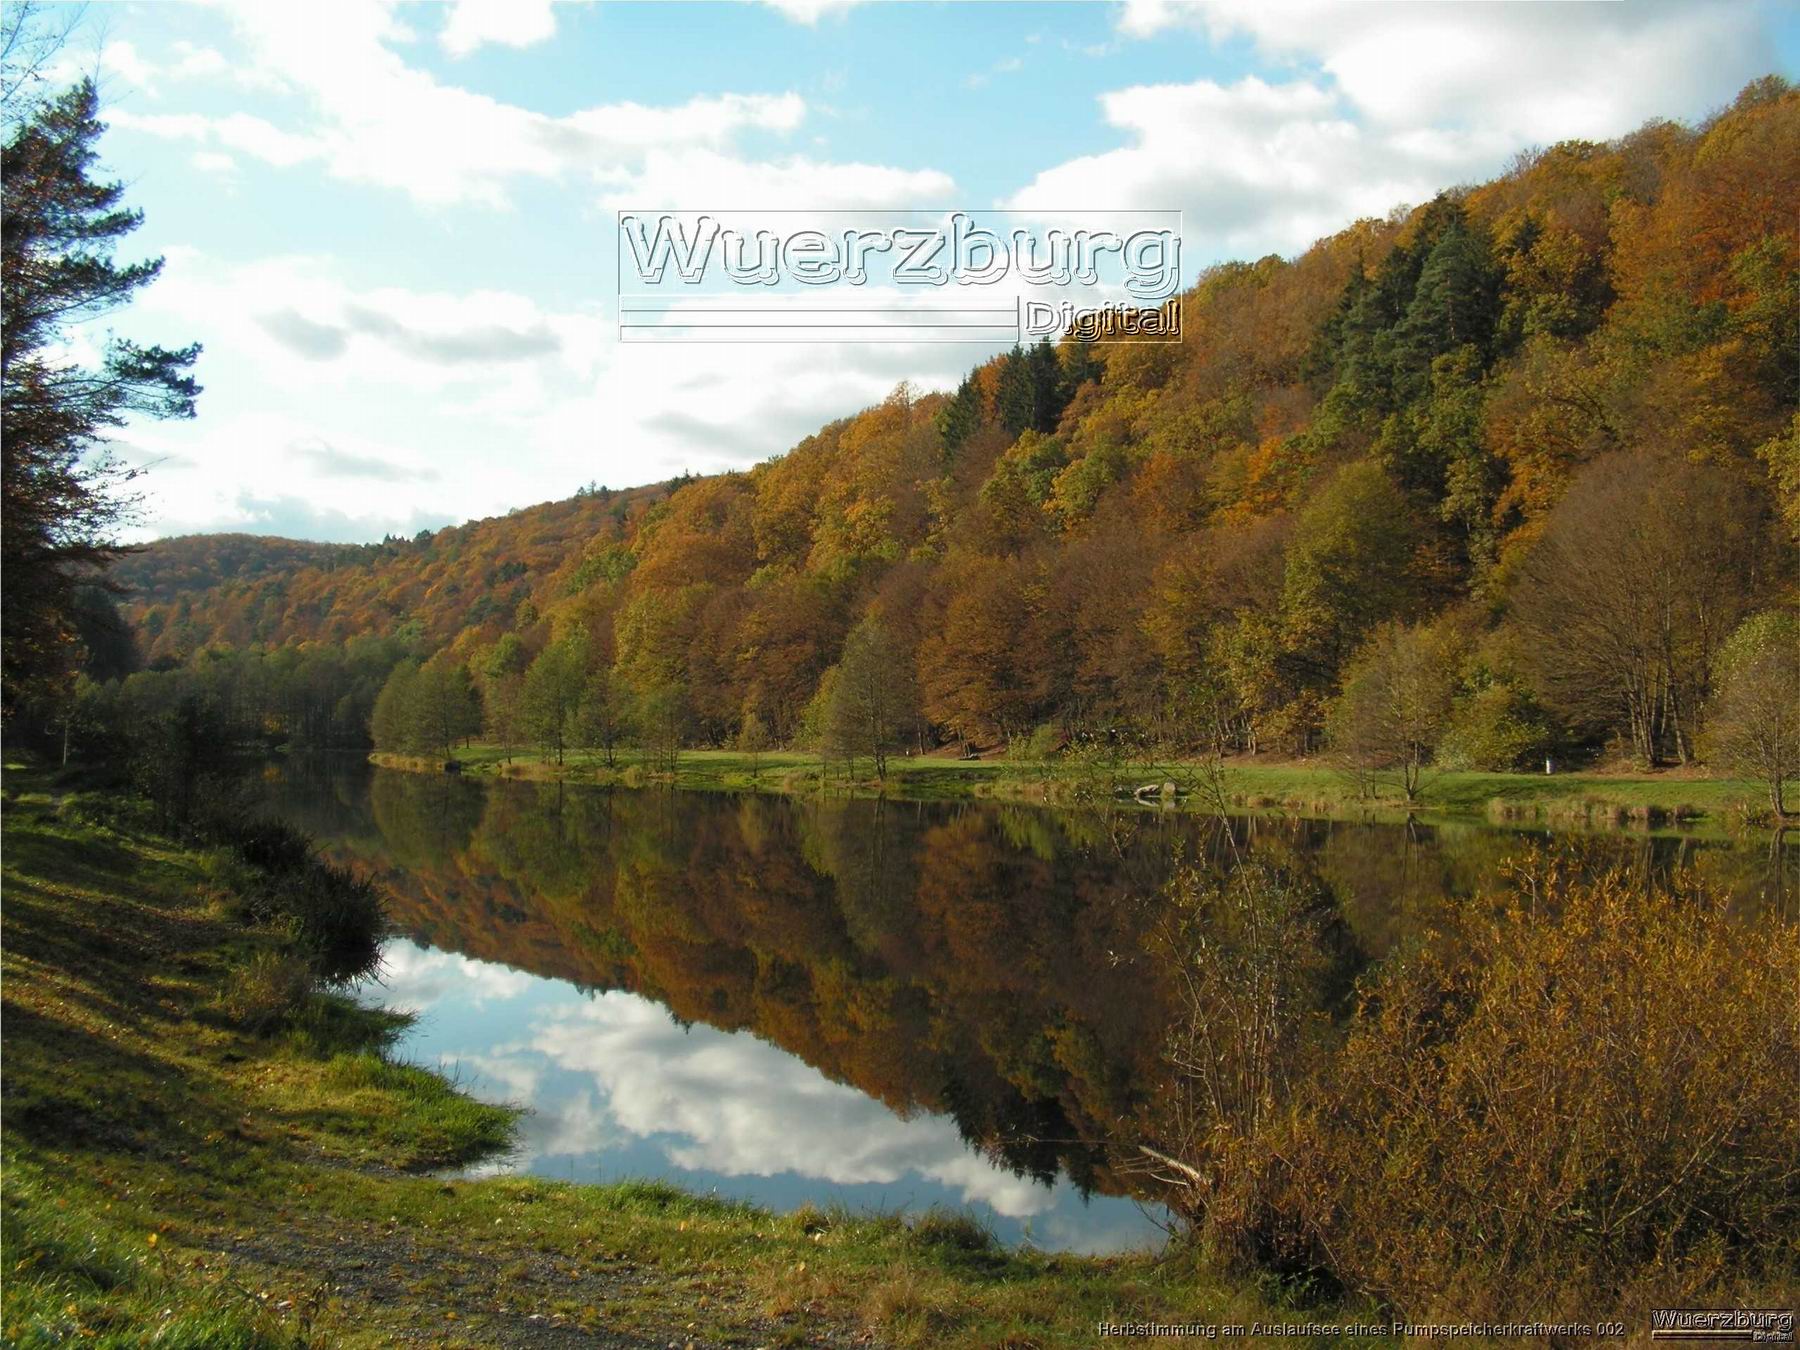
1310 789
201 1151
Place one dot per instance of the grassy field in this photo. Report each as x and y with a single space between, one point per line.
194 1159
1591 798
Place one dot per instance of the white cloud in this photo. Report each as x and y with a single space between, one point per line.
508 1076
700 178
472 24
446 146
564 1127
1518 72
416 387
627 128
1252 166
214 162
250 135
291 475
117 65
476 400
306 328
1010 65
809 12
1385 104
369 117
198 62
123 59
142 74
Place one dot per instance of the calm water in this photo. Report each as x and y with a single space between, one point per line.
884 1005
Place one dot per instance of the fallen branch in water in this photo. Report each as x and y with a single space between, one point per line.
1193 1174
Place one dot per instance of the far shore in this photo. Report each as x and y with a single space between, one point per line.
1668 799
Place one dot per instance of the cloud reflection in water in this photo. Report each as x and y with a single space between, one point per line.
614 1080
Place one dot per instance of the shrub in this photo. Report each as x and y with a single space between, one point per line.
1755 715
1037 747
106 810
1592 1095
229 885
1496 729
1251 951
265 993
336 917
266 872
267 844
947 1229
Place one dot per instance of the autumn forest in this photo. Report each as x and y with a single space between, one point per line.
1530 450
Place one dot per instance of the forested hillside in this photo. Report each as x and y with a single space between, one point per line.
1498 474
171 568
202 590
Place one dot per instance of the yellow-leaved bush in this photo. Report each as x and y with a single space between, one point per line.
1589 1103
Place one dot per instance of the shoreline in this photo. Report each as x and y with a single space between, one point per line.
176 1172
1666 802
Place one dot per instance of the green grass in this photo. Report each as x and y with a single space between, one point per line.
75 1277
392 1110
1567 799
179 1175
1595 797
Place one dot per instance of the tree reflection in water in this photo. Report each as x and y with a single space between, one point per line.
1030 973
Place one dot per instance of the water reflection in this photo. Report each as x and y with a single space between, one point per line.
618 1087
886 1004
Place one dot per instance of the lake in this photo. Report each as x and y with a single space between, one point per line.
881 1005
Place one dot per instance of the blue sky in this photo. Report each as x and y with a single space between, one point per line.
393 225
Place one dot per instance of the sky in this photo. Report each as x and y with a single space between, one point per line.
393 226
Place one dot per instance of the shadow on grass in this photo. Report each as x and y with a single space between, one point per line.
67 1085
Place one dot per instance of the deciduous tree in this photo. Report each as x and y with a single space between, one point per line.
1755 727
600 725
752 741
1395 704
1642 572
1347 567
662 723
391 723
874 703
445 707
551 697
